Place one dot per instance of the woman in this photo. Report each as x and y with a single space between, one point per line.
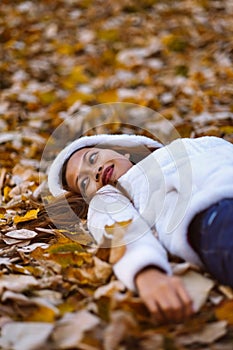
183 190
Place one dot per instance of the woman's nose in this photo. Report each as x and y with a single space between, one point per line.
98 173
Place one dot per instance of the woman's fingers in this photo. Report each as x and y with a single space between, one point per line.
154 309
165 296
171 308
185 299
171 303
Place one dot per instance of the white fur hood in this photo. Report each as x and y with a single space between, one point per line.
55 171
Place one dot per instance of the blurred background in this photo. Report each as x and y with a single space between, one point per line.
172 56
99 59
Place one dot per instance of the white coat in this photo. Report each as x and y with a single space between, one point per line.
165 191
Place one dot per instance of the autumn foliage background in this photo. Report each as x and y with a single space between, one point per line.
58 57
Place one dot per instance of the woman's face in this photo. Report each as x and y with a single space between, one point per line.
89 169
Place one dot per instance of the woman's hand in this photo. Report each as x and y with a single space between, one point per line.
164 296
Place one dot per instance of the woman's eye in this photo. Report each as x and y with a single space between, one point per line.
84 184
92 158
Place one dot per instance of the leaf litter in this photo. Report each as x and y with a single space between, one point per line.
173 57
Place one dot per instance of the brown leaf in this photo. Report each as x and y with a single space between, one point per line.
118 248
225 311
209 334
109 289
122 325
71 328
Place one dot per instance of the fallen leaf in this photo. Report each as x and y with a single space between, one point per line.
13 241
149 340
13 296
209 334
227 291
31 247
17 283
198 287
25 335
42 313
117 231
225 311
109 289
30 215
70 330
121 325
21 234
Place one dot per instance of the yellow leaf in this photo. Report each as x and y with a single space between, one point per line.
225 311
108 34
107 96
42 314
227 129
65 49
66 307
78 95
65 247
47 97
30 215
67 259
174 42
76 76
110 229
68 254
6 191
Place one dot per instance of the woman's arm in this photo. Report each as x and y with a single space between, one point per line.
165 296
162 293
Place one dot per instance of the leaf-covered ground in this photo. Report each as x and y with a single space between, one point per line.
56 57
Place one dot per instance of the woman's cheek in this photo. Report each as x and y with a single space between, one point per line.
93 188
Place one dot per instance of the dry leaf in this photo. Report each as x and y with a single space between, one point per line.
102 270
227 291
121 325
31 247
209 334
198 287
225 311
30 215
17 283
14 296
25 335
117 231
53 72
21 234
151 341
72 327
13 241
109 289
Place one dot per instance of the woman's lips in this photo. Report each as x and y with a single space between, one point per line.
107 174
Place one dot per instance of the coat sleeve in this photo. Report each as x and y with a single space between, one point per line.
110 207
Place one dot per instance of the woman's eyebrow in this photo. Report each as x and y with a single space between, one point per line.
85 156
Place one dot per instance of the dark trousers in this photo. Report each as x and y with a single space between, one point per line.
211 236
